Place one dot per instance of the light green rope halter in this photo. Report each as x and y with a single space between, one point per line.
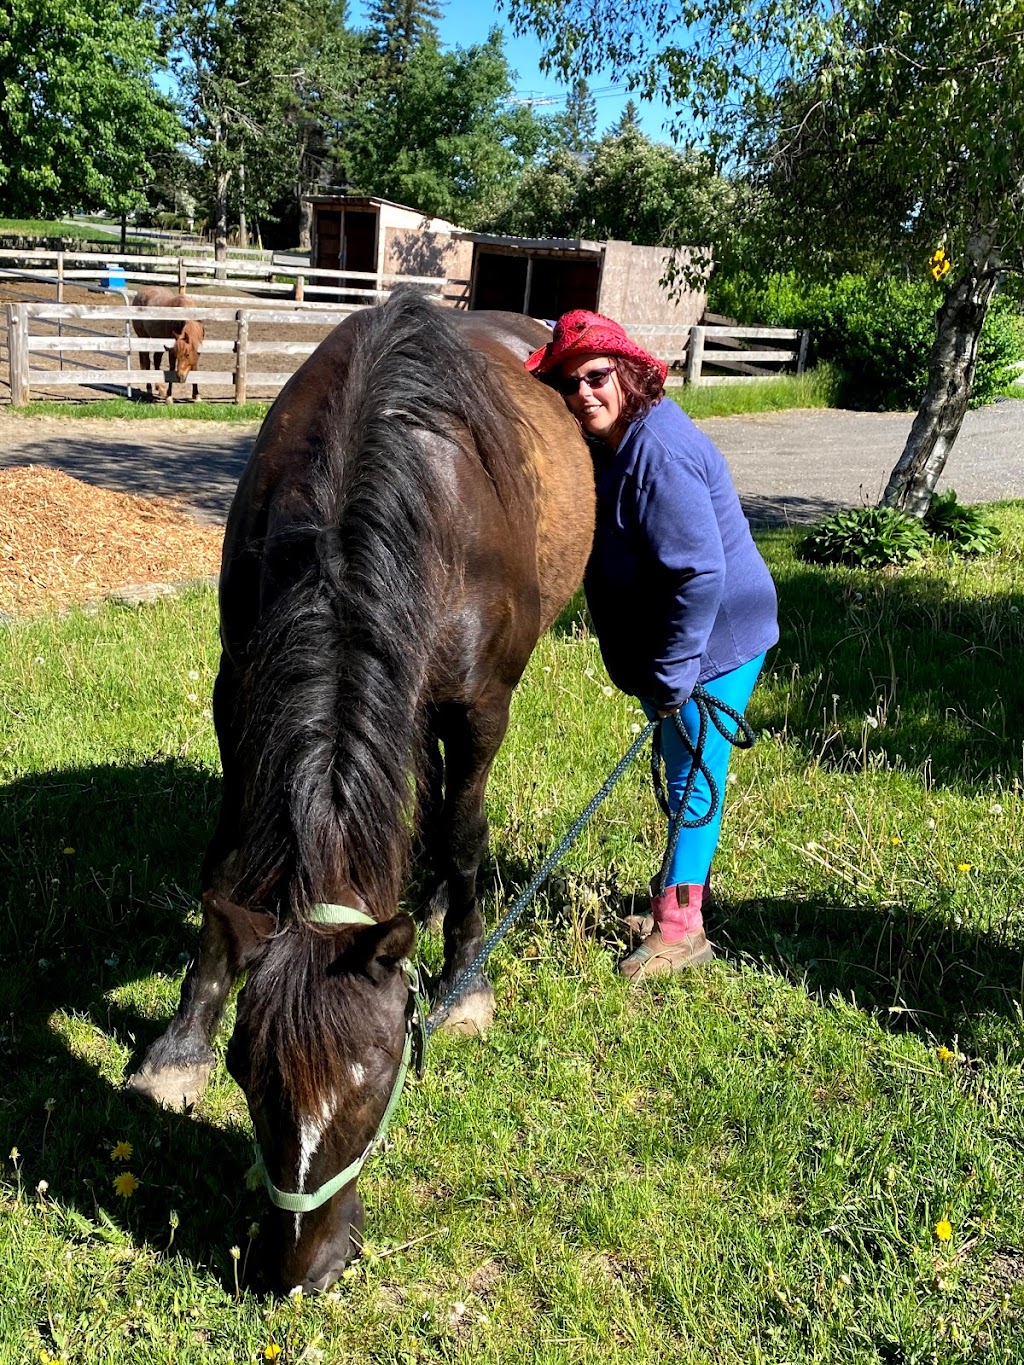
293 1201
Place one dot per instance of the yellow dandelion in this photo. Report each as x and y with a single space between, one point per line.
69 850
945 1054
125 1184
272 1351
964 867
944 1230
121 1151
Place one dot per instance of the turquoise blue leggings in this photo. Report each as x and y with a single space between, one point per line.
696 847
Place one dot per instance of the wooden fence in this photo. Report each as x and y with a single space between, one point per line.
727 348
282 277
26 340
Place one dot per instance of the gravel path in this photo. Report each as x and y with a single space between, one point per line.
788 466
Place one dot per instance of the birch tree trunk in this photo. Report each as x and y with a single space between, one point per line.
950 378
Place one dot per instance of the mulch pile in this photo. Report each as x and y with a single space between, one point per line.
64 542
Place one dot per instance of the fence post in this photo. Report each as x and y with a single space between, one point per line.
241 354
801 359
696 356
60 277
182 276
300 288
17 352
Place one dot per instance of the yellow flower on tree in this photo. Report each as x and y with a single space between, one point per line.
939 264
125 1184
944 1230
121 1151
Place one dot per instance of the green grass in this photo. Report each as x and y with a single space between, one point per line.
818 388
744 1165
127 409
39 227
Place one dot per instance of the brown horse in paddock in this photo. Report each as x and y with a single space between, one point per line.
416 511
182 340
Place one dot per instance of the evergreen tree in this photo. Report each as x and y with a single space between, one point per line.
398 27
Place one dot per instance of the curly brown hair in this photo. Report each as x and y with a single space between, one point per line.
641 387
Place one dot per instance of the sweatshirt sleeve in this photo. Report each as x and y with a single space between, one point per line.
678 525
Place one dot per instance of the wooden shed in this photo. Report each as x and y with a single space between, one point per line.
368 235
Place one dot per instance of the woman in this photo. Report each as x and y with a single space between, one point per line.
676 588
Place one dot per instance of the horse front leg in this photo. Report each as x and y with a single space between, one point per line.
144 365
177 1067
471 742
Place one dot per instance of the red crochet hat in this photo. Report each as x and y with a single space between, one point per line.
583 333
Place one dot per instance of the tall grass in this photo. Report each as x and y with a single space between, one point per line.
131 410
817 388
747 1164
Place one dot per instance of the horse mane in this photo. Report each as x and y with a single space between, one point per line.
332 706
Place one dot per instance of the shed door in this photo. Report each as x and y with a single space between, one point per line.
360 240
500 281
328 239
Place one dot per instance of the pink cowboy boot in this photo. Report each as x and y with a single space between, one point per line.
677 939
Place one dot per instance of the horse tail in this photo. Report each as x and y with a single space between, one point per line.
334 708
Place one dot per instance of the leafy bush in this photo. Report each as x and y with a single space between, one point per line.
878 332
1000 347
874 537
964 528
866 538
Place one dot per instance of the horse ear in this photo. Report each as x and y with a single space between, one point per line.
247 930
376 951
177 329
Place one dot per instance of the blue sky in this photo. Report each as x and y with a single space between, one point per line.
467 21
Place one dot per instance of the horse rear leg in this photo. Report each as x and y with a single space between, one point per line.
177 1067
471 739
144 364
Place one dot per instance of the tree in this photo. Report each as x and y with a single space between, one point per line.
398 27
261 86
443 137
80 117
577 124
899 119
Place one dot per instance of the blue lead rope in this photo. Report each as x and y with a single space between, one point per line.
708 707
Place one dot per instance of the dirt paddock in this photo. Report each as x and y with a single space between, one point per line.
27 291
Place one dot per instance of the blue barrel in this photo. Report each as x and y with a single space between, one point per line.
114 279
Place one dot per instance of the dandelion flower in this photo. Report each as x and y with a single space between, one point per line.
125 1184
895 839
964 867
69 850
15 1154
272 1351
235 1253
944 1230
42 1187
945 1054
121 1151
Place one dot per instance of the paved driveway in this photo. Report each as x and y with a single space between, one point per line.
788 466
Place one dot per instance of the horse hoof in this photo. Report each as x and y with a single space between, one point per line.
471 1016
171 1087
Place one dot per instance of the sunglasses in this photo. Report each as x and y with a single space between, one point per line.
594 379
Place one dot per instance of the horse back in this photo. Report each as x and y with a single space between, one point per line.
164 329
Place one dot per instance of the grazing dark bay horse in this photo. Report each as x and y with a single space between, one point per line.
181 339
415 512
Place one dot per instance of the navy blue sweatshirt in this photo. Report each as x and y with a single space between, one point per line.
675 585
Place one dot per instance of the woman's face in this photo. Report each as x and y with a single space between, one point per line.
597 399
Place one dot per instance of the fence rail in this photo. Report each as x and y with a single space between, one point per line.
24 343
285 277
726 348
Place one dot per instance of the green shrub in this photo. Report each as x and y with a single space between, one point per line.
1000 348
878 332
866 538
964 529
874 537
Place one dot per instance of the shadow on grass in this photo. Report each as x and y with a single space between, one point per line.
913 971
897 671
94 899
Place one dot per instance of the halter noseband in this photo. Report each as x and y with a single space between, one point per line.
415 1043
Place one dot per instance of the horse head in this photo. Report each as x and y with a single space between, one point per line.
188 337
318 1047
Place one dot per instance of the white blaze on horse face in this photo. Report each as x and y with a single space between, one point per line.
311 1132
